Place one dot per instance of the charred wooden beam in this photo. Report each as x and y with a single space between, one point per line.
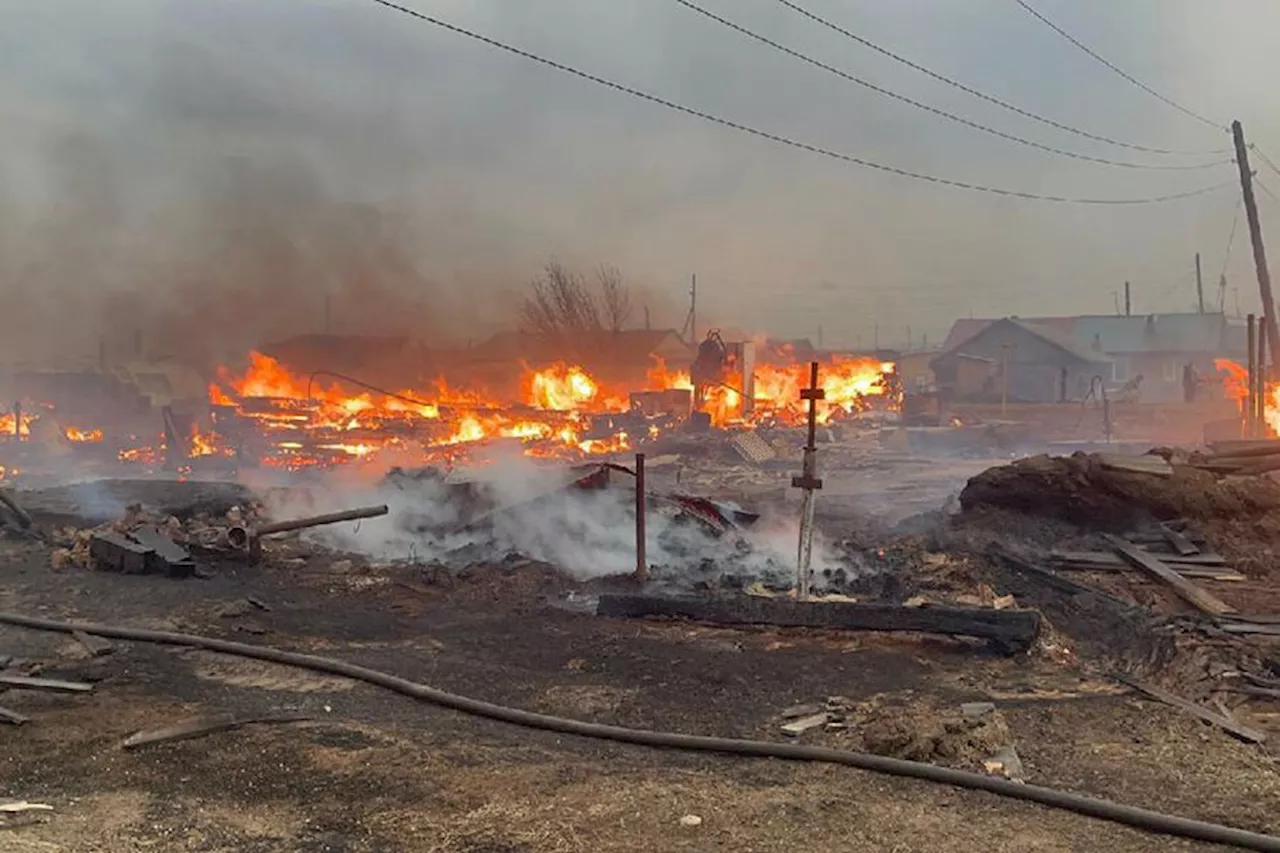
1012 630
1198 598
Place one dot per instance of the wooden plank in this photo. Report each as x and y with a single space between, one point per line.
1057 582
13 718
1201 573
1245 448
1179 543
205 726
1256 628
1176 561
1013 630
95 646
1148 464
1243 732
1186 590
25 683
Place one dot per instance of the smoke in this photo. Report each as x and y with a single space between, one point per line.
210 172
528 510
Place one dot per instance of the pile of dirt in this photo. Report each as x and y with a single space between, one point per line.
924 731
1079 490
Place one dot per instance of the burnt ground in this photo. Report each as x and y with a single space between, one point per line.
378 772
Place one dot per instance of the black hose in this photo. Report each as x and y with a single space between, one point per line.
1103 809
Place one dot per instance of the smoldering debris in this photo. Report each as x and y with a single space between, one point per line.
580 519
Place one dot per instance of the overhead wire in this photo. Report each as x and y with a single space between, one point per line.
1266 189
991 99
1231 239
888 93
1262 155
1116 69
784 140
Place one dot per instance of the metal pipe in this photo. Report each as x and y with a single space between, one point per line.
642 562
317 520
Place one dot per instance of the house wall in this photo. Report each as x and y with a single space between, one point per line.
1035 367
1162 374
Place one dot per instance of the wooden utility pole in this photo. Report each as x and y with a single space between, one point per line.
693 310
1199 285
1126 299
1255 237
1261 379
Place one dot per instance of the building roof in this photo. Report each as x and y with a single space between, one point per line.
1118 334
1046 333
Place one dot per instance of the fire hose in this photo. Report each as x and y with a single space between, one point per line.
1146 819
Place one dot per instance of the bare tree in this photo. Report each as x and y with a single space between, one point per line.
561 302
615 297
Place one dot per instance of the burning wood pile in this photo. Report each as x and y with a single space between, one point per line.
268 415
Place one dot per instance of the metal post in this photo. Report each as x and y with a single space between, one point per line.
1250 404
1261 377
810 483
642 562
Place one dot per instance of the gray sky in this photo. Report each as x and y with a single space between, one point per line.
232 160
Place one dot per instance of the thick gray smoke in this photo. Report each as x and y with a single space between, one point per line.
587 534
209 171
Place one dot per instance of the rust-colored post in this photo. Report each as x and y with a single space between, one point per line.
1262 376
642 561
1251 383
809 482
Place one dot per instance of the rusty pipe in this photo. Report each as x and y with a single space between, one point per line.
318 520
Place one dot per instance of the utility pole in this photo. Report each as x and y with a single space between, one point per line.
1255 237
1222 293
1199 284
1115 297
1004 379
810 483
693 310
1127 305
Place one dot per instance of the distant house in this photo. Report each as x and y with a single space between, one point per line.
1156 346
1029 362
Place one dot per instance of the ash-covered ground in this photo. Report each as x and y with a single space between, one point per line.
469 594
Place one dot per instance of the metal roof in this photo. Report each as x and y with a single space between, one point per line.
1119 334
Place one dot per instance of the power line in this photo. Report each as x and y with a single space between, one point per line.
783 140
991 99
1231 239
1265 159
880 90
1143 86
1266 189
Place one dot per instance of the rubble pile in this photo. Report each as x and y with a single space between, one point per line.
1090 490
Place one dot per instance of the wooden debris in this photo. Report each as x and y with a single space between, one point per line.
752 448
1263 629
795 728
1242 732
1179 543
258 603
800 711
26 683
95 646
977 710
1006 763
19 514
1177 561
1013 630
205 726
1259 692
1154 465
19 806
12 717
1189 592
115 553
168 557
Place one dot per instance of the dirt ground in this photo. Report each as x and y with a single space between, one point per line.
373 772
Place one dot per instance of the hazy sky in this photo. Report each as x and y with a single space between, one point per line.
233 160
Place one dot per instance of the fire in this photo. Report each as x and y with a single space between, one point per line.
82 436
11 425
561 388
1235 384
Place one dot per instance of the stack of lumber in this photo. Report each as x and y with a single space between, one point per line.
1245 458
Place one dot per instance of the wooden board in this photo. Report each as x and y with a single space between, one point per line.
1243 732
13 718
1179 543
1011 629
25 683
1148 464
1186 590
1176 561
